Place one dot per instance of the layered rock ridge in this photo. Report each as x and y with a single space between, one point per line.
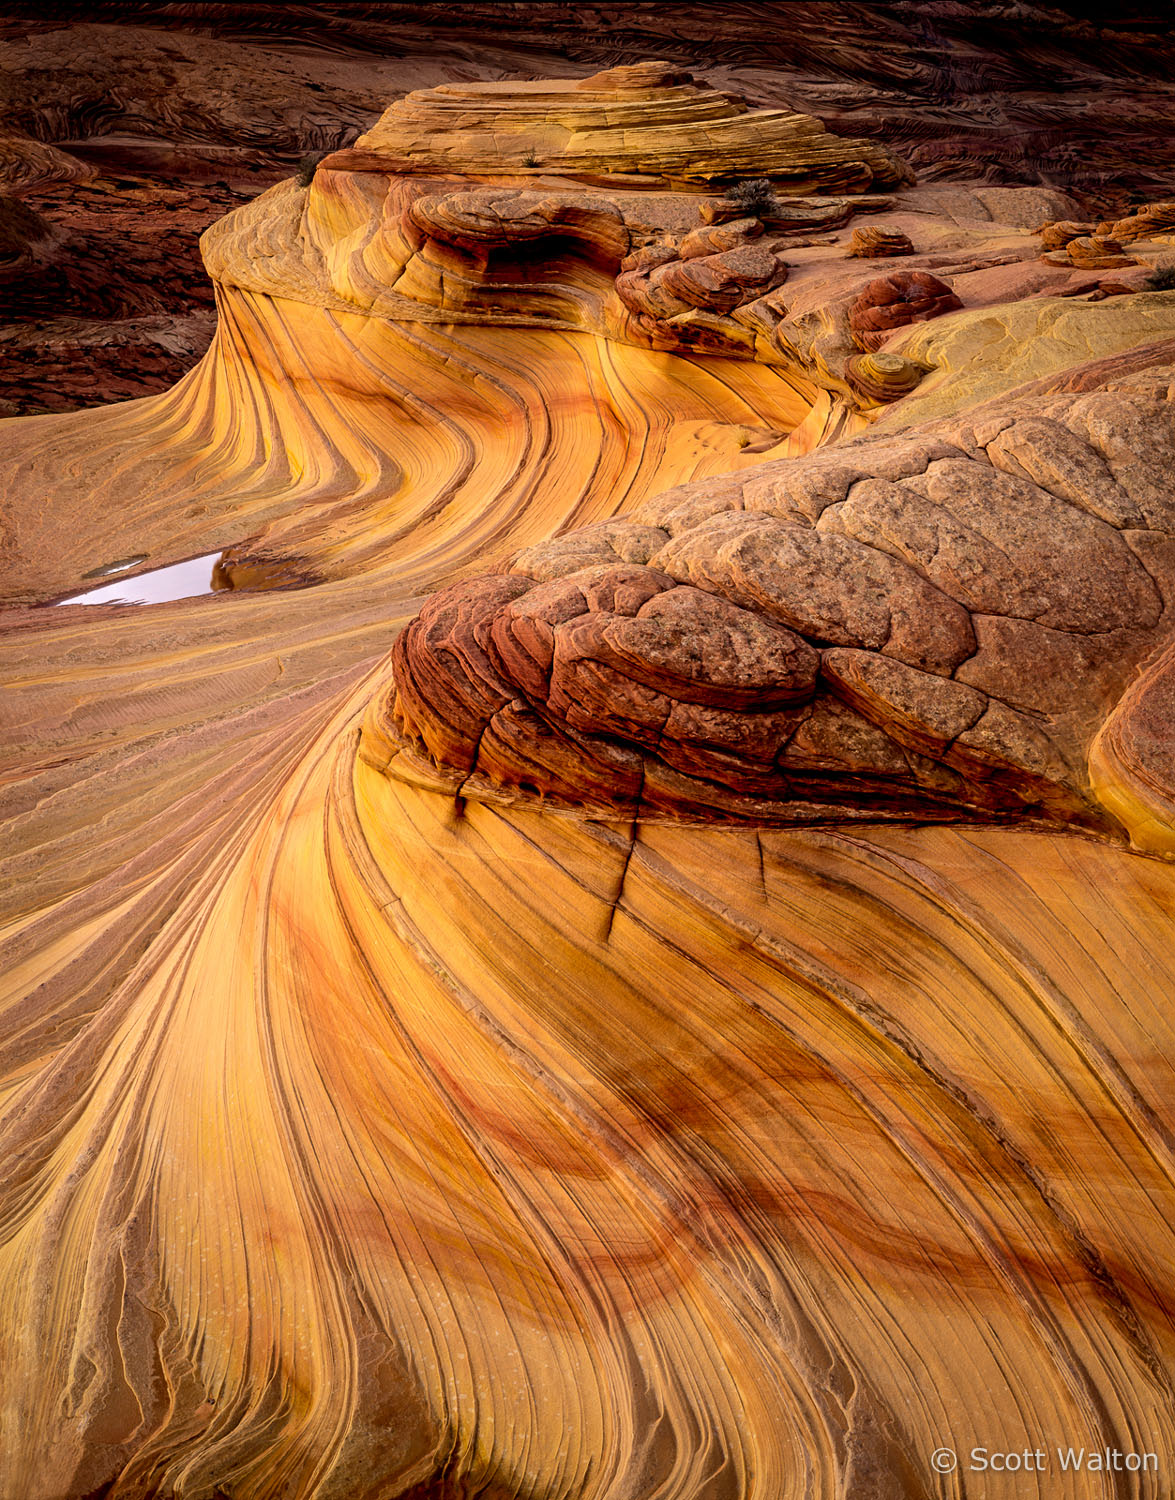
932 626
646 121
362 366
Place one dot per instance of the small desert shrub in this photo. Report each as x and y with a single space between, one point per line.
308 166
755 196
530 160
1162 279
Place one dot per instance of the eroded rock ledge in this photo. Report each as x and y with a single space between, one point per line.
932 626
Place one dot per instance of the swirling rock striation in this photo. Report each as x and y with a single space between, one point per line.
693 1008
645 120
586 241
1150 220
876 241
883 377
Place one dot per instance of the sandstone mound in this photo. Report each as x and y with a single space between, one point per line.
859 633
877 242
647 120
893 301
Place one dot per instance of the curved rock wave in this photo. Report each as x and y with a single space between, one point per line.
663 1219
345 445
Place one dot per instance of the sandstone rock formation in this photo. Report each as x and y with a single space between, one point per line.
821 640
1144 224
893 301
874 241
625 950
182 104
101 288
1057 235
883 377
643 120
1091 252
27 164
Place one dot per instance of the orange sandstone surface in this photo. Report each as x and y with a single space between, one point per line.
625 950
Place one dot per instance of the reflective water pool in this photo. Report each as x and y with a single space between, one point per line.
182 580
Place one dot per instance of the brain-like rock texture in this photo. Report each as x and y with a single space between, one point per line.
864 636
892 301
625 949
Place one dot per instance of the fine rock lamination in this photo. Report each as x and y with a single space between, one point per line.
692 1009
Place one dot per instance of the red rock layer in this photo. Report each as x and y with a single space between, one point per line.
860 634
893 301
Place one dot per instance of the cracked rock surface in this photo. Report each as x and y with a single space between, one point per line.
933 626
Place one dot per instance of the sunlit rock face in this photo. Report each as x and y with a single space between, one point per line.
930 627
644 120
409 349
626 949
127 92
